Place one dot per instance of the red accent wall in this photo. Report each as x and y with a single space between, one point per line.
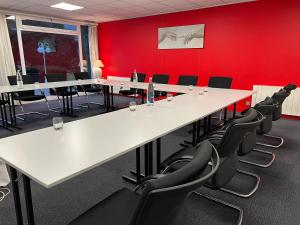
255 43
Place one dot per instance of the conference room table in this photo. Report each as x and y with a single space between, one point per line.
87 143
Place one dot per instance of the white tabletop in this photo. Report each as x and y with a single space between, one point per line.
50 157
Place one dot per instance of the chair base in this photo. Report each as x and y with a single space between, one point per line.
3 193
234 207
19 116
242 195
269 145
259 164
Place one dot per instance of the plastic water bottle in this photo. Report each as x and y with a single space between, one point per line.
135 77
150 93
19 79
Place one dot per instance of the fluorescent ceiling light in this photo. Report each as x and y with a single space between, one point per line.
11 18
66 6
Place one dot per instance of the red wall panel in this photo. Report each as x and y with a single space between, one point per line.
255 43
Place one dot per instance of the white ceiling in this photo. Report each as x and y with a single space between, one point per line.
110 10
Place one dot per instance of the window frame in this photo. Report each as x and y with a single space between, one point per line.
20 27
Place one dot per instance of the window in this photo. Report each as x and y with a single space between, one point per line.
43 46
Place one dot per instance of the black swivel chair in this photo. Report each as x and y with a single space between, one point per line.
160 79
158 200
27 96
90 88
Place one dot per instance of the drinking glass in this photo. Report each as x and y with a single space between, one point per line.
169 97
132 106
58 123
191 87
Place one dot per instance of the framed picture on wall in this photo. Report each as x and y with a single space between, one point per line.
181 37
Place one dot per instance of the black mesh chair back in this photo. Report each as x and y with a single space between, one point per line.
160 79
188 80
266 108
279 97
57 78
26 80
162 199
220 82
229 145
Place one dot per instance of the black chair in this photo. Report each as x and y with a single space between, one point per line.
188 80
134 91
265 109
90 88
159 199
227 143
27 96
278 97
3 103
160 79
61 91
220 82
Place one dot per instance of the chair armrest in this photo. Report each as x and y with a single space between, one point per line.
144 181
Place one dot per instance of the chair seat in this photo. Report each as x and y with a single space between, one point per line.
29 98
187 151
117 209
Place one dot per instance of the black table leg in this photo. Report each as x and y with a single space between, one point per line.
150 158
209 123
112 97
225 115
28 200
16 195
71 103
234 110
194 133
138 164
146 158
158 155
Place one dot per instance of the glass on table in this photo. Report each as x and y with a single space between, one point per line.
58 123
191 87
132 106
169 97
36 84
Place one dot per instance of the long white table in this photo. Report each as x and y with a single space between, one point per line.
51 157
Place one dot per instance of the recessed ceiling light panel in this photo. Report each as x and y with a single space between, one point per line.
66 6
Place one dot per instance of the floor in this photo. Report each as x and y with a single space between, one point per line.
275 203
